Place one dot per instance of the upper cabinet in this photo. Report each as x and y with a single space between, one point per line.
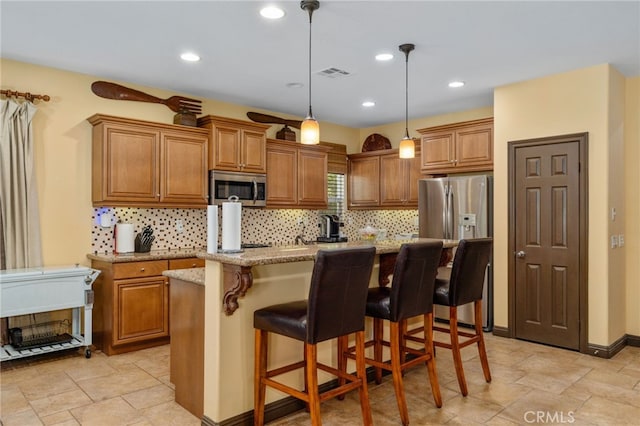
236 145
138 163
364 180
459 147
296 175
399 180
381 179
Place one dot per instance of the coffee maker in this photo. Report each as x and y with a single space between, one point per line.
330 229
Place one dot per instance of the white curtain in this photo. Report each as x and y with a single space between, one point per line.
20 244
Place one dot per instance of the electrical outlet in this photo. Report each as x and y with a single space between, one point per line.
621 240
614 241
179 226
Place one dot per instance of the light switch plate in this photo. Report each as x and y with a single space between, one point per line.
621 240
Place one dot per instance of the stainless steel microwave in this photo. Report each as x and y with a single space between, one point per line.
250 188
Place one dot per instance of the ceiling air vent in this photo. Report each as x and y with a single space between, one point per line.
333 72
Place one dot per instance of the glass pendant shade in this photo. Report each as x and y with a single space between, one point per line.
407 148
310 131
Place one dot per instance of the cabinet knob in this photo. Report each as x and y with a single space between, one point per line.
141 269
193 265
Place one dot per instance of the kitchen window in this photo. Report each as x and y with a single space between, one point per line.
335 194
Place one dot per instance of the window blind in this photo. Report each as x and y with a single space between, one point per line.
335 194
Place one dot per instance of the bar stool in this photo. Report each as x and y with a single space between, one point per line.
410 295
465 286
335 307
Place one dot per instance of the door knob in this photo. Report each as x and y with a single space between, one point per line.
521 254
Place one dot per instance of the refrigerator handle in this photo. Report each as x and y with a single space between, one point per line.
445 218
450 213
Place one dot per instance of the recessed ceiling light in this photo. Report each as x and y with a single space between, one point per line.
456 84
272 12
190 57
384 57
294 85
368 104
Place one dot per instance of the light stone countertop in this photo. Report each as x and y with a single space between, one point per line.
300 253
192 275
152 255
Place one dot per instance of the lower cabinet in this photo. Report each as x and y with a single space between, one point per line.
131 306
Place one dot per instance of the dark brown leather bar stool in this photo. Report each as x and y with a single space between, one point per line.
410 295
335 307
465 286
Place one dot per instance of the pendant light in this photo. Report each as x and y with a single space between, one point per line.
310 129
407 146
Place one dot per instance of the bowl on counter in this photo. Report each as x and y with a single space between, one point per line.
368 233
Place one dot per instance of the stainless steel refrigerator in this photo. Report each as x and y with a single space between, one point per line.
456 208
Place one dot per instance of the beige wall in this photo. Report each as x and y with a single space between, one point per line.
571 102
632 202
63 147
616 184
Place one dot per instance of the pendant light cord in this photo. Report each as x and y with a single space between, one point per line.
310 15
406 95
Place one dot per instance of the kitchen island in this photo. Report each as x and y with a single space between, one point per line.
235 285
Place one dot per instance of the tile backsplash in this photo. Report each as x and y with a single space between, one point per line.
274 226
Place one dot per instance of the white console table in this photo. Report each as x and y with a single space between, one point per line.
34 290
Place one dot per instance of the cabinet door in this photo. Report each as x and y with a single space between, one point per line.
414 174
184 169
282 173
364 182
225 154
392 180
140 309
130 164
437 151
399 180
253 152
312 178
474 146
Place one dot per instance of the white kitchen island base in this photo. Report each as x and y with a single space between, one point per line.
45 289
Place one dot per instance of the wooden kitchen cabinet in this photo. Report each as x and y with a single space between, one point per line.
399 180
296 175
186 263
137 163
131 306
364 180
381 179
459 147
236 145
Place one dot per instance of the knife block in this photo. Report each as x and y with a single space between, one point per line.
141 247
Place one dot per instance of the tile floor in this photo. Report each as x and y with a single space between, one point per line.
531 384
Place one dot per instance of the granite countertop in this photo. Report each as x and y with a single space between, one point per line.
293 253
192 275
152 255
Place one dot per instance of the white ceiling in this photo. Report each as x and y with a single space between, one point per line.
249 61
